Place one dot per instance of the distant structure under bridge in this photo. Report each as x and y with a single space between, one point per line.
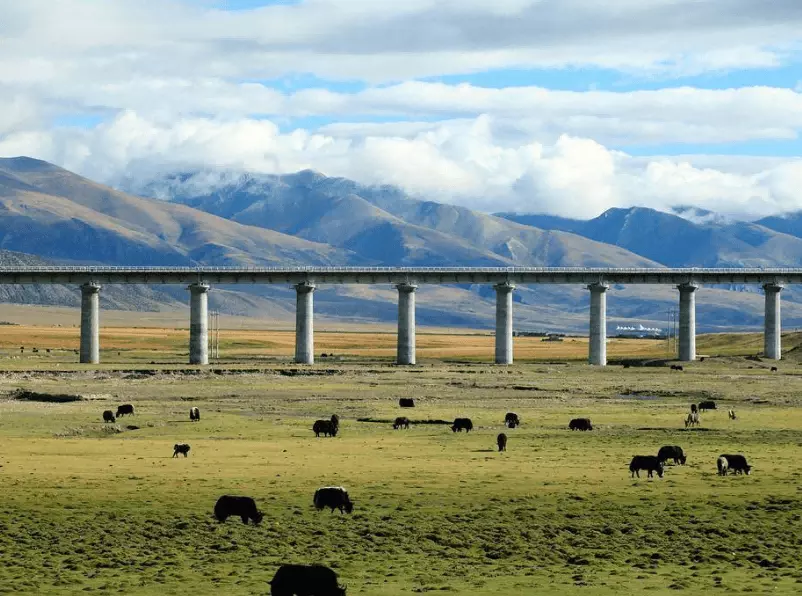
639 331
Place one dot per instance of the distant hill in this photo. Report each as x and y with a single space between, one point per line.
790 223
674 241
381 222
48 211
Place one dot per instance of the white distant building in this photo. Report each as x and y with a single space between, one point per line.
638 331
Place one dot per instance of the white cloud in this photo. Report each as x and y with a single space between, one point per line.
176 84
669 115
92 40
463 163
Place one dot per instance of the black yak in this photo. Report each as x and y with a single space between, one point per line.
306 580
125 409
580 424
401 422
461 424
671 452
335 497
242 507
324 427
736 463
650 463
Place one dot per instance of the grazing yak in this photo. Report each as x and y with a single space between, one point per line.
676 367
731 414
773 369
401 422
309 580
707 405
242 507
580 424
692 419
461 424
335 497
194 414
736 463
511 420
325 427
180 448
501 440
125 409
108 416
674 452
406 402
650 463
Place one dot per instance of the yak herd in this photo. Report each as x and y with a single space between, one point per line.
294 579
656 463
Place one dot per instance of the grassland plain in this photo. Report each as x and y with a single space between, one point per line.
87 506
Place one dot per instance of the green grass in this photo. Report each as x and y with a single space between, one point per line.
85 508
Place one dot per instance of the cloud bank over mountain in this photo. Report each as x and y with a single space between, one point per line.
568 107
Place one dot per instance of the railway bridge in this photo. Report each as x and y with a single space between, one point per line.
199 281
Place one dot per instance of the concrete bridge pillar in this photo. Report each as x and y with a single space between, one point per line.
199 323
406 323
90 323
304 323
687 321
772 322
597 348
504 323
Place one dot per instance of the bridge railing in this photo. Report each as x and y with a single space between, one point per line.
350 269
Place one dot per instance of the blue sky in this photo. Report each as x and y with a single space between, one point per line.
561 106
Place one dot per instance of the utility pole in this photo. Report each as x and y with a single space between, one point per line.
214 334
672 323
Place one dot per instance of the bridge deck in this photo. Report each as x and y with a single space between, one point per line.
393 275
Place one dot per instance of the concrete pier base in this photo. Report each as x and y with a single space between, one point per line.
772 331
687 322
406 324
504 323
304 323
199 323
90 323
597 347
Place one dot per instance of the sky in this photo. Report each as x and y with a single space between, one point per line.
567 107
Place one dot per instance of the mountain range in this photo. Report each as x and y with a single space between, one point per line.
232 218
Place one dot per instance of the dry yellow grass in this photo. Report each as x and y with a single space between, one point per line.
163 338
160 343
